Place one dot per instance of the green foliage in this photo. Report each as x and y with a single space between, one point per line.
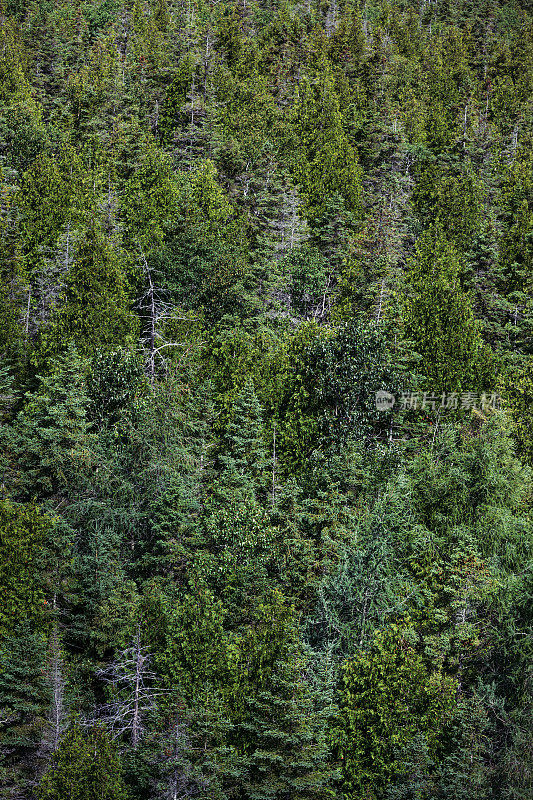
50 442
86 767
329 394
171 116
22 132
242 455
223 228
24 703
93 310
116 379
390 698
439 318
23 534
149 199
324 161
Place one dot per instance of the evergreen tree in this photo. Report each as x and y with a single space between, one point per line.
278 735
242 451
86 767
50 439
24 702
23 536
391 702
439 318
93 310
324 161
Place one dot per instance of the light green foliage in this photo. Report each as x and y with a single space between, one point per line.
202 200
149 199
21 128
86 767
438 317
58 190
390 697
93 310
23 534
324 161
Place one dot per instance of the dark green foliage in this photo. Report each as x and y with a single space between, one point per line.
224 228
115 380
24 706
329 394
49 442
242 451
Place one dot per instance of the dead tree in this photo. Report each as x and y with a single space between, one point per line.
155 313
56 675
132 691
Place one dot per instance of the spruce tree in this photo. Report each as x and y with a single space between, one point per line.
281 747
94 309
439 319
24 704
85 767
242 450
50 440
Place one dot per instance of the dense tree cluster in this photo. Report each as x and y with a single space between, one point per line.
225 572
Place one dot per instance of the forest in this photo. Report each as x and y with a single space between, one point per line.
266 400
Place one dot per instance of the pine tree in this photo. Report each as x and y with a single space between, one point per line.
13 282
24 531
22 132
172 115
242 452
439 318
24 702
85 767
149 200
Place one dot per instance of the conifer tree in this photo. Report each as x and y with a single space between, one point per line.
93 308
390 701
242 451
324 161
85 767
23 534
22 132
24 702
439 318
50 438
277 733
